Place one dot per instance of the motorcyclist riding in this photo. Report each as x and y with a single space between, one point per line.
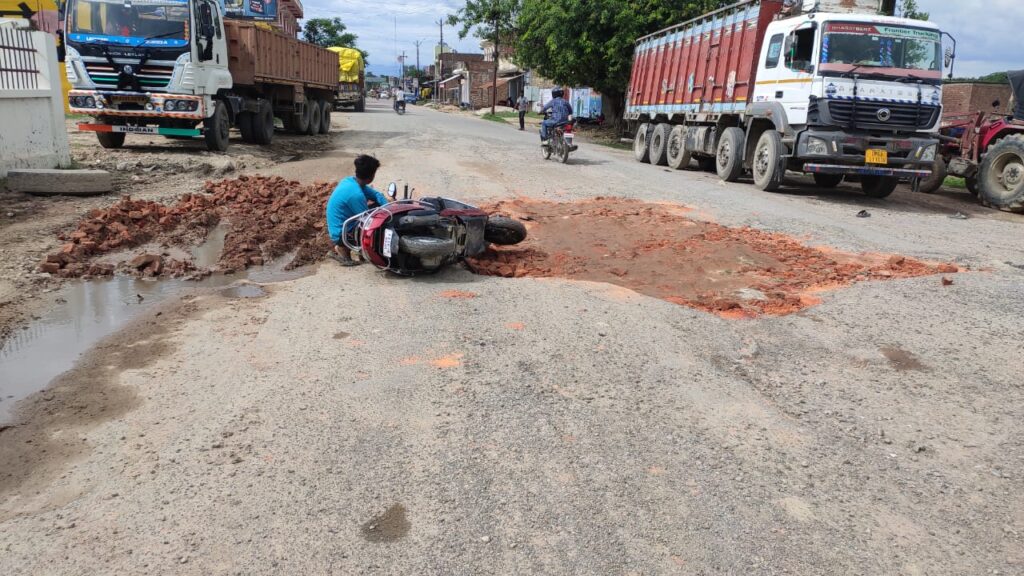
561 112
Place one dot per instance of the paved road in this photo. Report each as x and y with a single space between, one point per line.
354 423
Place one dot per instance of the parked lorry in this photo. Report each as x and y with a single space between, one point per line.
351 79
829 88
181 68
987 150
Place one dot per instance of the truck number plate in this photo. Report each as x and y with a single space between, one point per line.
878 157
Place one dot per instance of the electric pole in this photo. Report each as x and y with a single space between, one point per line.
418 43
402 60
440 64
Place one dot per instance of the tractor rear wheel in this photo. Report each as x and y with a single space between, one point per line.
1001 177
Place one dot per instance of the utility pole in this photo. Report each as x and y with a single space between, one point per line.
418 43
440 64
497 59
402 60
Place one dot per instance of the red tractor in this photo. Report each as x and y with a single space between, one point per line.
987 150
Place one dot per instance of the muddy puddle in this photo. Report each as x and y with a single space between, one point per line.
656 250
94 309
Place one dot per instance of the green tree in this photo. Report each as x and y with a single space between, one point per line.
491 20
591 42
909 9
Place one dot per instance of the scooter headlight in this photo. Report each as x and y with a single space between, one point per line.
817 147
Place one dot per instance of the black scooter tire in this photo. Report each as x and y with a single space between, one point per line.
504 231
426 247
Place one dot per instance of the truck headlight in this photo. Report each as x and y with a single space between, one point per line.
817 147
928 155
90 102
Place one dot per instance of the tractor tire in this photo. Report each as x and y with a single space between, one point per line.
325 117
972 185
314 118
427 247
828 180
933 183
217 129
728 160
504 231
111 139
1001 178
659 144
767 163
263 124
678 155
641 144
878 186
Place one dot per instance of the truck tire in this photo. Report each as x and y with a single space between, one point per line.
263 124
933 183
1001 177
427 247
728 161
302 120
641 143
111 139
244 123
504 231
217 129
659 144
361 105
971 183
325 117
828 180
314 117
878 186
767 162
678 155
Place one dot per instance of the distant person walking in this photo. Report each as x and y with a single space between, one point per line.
523 106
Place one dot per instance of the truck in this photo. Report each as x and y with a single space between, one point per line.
823 87
190 68
986 149
351 79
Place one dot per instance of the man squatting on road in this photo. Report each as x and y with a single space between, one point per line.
352 196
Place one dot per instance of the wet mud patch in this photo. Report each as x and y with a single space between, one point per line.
902 361
654 249
390 526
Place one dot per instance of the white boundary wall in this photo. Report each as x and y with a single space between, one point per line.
32 129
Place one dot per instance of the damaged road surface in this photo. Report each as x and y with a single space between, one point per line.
672 376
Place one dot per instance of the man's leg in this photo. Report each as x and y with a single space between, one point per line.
522 120
343 255
544 131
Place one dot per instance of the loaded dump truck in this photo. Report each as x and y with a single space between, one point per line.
824 87
351 80
183 68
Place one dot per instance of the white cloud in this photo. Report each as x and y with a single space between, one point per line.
989 33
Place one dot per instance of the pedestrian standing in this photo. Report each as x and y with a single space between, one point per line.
523 106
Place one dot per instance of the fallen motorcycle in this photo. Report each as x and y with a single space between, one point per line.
417 236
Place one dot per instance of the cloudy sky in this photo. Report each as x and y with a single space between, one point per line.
989 32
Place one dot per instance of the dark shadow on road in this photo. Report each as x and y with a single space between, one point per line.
586 162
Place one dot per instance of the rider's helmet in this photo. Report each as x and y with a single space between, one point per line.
557 93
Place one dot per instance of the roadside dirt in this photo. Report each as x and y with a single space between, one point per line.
656 250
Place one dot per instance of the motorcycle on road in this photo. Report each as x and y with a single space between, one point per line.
561 142
417 236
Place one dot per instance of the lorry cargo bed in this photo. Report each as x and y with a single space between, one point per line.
257 55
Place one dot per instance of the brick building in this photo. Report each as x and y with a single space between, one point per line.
971 97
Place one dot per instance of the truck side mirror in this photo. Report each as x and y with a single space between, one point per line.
949 57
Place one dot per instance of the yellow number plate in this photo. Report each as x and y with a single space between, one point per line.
878 157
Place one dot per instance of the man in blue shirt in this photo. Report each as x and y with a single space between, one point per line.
352 196
560 113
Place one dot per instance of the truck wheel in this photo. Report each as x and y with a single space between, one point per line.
245 120
263 124
361 105
217 129
427 247
504 231
730 147
641 144
659 144
767 164
111 139
1002 175
678 155
325 117
314 117
933 183
828 180
878 186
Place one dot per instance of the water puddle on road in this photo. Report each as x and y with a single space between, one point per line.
95 309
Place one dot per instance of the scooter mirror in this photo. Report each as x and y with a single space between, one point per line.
392 190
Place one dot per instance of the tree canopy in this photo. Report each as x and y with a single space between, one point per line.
909 9
328 32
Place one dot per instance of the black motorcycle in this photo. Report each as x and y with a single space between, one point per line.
561 140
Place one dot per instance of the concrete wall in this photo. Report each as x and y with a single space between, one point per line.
31 102
968 98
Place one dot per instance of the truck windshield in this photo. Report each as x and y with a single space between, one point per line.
901 51
162 23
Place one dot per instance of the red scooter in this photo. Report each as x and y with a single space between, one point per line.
410 237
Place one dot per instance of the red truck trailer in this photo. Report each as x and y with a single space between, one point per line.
766 86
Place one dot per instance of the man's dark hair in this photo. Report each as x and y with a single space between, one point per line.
366 167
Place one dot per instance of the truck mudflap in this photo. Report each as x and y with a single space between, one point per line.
867 170
141 130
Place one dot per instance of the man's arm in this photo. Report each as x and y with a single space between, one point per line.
547 107
380 198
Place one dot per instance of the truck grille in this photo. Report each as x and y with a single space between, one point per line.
151 77
901 116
